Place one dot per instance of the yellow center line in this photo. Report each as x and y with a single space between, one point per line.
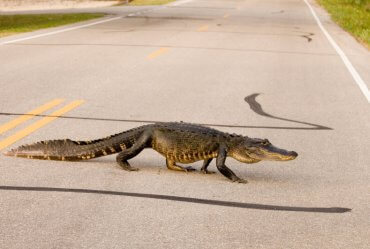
157 53
202 28
38 124
21 119
226 15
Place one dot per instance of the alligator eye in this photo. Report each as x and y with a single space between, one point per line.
266 142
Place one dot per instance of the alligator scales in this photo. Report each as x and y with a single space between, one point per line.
177 142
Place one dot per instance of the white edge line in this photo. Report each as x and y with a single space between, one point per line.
89 24
361 84
60 31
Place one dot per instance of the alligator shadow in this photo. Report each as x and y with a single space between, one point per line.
181 199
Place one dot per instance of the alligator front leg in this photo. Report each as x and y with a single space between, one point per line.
220 163
172 165
132 152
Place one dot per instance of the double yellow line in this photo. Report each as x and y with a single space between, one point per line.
36 125
203 28
157 53
163 50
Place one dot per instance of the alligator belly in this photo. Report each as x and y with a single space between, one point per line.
184 147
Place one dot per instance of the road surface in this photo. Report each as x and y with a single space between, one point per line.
261 68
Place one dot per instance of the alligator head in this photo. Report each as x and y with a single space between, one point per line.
252 150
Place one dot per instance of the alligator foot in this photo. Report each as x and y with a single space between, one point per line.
205 171
127 166
172 166
179 168
189 168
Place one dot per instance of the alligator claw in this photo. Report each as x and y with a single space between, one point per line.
204 171
133 169
239 180
127 166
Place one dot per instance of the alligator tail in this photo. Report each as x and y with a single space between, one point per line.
65 150
69 150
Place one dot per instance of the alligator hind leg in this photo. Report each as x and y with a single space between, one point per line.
122 162
172 165
132 152
205 166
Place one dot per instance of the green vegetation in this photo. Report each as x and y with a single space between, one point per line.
149 2
13 24
352 15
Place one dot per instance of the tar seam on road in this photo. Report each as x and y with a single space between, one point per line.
359 81
182 199
306 35
182 47
257 108
251 100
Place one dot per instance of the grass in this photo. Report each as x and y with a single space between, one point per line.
351 15
13 24
149 2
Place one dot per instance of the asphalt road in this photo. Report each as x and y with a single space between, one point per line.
261 68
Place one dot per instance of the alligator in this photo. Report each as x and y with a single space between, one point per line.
178 142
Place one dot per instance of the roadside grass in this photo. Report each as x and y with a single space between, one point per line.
149 2
13 24
351 15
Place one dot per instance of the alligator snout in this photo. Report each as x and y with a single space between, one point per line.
294 154
273 153
290 155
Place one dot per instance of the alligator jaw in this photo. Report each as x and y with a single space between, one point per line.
274 154
291 155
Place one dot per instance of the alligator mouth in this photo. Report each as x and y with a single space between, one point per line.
274 155
290 156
